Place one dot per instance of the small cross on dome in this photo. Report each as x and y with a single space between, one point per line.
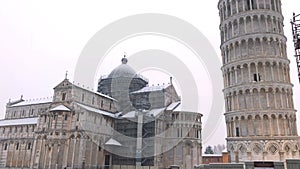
124 59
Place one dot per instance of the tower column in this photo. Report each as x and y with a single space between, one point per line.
228 77
257 74
287 99
233 46
265 74
230 3
235 73
284 73
231 77
249 72
259 99
278 72
262 44
252 27
237 6
275 102
251 99
237 101
267 95
277 126
242 74
272 71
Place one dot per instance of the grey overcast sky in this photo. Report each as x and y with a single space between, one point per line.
40 40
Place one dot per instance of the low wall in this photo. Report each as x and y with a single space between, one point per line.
221 166
132 167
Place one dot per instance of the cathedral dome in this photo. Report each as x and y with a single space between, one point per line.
121 81
122 71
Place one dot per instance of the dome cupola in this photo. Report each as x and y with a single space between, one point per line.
120 82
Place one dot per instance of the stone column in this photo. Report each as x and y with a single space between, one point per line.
231 77
271 126
249 72
45 156
57 158
91 154
252 30
265 74
236 78
139 140
272 71
233 46
267 95
259 102
225 10
237 6
256 70
242 74
243 5
227 79
287 99
66 150
51 156
12 153
268 52
237 101
251 99
73 152
41 149
24 156
262 42
284 73
251 5
275 98
278 72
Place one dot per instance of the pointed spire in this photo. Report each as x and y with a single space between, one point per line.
66 75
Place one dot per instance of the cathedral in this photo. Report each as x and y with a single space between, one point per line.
125 123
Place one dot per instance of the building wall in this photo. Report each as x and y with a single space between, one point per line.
26 111
206 159
67 92
16 145
182 145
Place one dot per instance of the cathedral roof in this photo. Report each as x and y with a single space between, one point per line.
16 122
152 88
92 109
152 112
113 142
33 101
173 105
60 108
123 70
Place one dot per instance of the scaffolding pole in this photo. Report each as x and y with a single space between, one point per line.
296 39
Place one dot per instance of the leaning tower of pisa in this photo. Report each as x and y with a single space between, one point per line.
260 115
